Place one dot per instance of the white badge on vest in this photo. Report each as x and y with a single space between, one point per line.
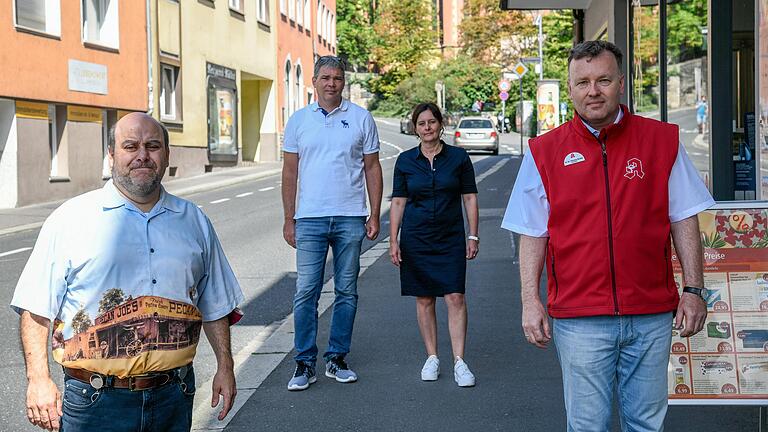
573 158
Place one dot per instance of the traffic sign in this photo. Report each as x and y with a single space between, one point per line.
504 85
520 69
503 96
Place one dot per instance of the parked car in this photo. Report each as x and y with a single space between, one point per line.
406 127
476 133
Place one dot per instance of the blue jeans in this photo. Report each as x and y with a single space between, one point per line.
164 408
599 355
344 235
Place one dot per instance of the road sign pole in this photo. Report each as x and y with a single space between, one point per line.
522 118
503 114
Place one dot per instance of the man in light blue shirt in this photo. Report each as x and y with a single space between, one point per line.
128 274
331 154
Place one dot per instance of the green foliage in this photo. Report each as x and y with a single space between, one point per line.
403 40
111 298
558 40
81 321
485 26
355 31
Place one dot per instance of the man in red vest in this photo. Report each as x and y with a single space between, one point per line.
599 197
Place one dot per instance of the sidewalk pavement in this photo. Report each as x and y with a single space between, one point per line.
32 217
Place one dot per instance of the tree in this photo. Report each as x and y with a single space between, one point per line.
404 39
492 35
355 31
557 27
110 299
81 322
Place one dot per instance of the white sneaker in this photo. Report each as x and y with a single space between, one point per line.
431 369
462 375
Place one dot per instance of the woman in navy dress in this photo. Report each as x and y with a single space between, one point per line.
430 183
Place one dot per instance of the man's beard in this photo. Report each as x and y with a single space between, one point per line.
142 189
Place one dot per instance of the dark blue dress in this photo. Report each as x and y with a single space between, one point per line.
432 237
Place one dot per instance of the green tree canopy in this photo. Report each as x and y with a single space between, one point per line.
492 35
355 31
111 298
81 321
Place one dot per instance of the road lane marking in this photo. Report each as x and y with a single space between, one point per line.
397 147
15 251
266 189
220 201
242 195
492 170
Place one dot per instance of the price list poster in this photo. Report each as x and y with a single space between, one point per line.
727 362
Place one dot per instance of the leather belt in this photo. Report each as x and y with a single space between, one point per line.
133 383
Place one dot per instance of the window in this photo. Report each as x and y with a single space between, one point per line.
101 22
299 12
170 93
320 10
287 92
333 30
282 7
327 25
292 9
298 93
262 11
39 15
307 15
236 5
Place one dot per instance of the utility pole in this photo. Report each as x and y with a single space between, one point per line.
537 22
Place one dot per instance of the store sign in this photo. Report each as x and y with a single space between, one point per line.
84 114
33 110
87 77
727 362
221 71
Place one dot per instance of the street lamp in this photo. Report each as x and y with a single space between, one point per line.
537 21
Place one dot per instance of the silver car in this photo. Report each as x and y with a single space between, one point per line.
476 133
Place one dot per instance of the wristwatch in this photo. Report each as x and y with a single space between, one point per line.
702 293
475 238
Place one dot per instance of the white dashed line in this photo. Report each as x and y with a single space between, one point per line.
15 251
220 201
266 189
399 149
243 195
492 170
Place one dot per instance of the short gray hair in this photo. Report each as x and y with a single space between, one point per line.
329 61
591 49
111 139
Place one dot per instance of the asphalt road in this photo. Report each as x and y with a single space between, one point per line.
518 385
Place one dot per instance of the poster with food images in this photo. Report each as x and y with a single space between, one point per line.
727 362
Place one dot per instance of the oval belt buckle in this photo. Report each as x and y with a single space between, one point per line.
96 381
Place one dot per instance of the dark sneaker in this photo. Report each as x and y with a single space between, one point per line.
302 377
337 368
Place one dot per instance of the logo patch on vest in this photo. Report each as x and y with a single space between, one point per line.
573 158
634 169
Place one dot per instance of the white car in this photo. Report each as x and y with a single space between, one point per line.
476 133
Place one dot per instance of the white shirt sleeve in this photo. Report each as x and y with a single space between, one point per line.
528 208
370 136
688 195
290 140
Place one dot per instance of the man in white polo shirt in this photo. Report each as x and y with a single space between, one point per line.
331 145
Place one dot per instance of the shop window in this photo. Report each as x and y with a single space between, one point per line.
645 61
101 22
39 15
170 93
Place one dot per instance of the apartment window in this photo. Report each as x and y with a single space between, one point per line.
298 85
287 92
307 15
292 9
170 93
236 5
282 7
299 12
39 15
319 28
101 22
262 11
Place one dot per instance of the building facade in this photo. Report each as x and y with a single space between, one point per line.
213 81
89 68
701 64
306 30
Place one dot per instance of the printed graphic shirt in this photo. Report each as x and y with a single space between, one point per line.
331 147
127 291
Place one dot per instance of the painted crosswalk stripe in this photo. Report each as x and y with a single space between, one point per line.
220 201
266 189
243 195
15 251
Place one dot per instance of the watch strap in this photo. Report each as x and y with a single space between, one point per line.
694 290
